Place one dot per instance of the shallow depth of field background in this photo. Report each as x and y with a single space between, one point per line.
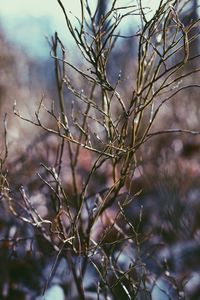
167 180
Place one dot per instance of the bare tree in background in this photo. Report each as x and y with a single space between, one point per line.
189 16
101 10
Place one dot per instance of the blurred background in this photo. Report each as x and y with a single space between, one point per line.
26 65
168 174
28 24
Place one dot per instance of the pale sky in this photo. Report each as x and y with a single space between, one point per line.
51 7
22 20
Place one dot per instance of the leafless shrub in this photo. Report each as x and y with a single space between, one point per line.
88 224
